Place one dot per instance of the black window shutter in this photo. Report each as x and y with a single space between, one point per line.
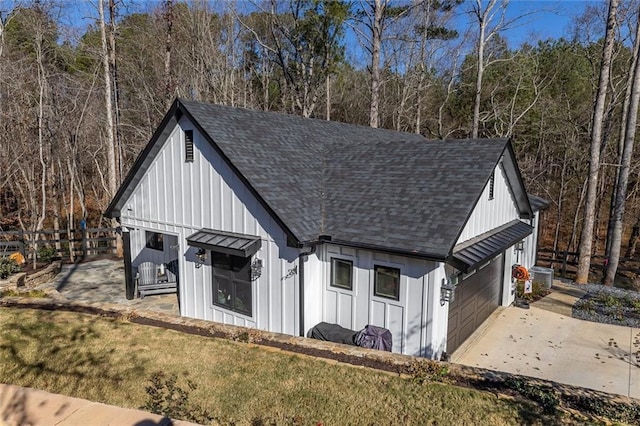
188 146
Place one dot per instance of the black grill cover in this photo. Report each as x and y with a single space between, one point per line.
333 333
374 338
371 337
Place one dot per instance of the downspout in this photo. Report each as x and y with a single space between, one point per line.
130 285
301 258
533 222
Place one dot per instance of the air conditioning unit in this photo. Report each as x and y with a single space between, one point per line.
541 275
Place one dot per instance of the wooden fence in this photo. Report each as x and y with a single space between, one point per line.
65 243
566 262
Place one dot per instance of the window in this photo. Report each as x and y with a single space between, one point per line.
386 282
155 240
341 273
491 184
188 146
232 282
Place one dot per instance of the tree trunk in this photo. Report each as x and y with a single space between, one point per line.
168 80
625 167
116 90
376 44
483 17
482 21
111 143
41 148
584 262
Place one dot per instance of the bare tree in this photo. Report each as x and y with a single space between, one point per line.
168 77
625 165
111 141
378 7
484 16
584 261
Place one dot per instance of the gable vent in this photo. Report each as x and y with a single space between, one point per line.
492 181
188 146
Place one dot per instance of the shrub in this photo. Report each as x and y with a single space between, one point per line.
538 291
8 266
608 300
544 395
167 398
46 254
426 371
628 413
633 303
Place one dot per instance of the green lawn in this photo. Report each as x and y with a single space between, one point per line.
111 361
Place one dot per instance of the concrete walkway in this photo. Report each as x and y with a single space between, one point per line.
25 406
545 342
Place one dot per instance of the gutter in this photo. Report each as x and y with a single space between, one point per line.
301 258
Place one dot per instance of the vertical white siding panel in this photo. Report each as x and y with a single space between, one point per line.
413 312
179 186
490 214
196 189
395 324
314 289
345 310
508 296
331 307
170 181
362 291
378 315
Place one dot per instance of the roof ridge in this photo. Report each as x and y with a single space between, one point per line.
299 118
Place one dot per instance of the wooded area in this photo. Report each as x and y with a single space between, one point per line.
78 104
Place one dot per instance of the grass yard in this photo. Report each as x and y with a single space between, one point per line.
112 361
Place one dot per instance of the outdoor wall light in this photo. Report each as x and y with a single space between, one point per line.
256 269
201 256
448 291
448 288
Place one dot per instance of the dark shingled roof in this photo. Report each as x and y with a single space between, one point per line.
358 186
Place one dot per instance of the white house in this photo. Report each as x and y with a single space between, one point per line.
279 222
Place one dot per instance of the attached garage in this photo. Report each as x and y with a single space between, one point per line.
476 297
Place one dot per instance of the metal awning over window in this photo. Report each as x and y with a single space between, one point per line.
225 242
472 253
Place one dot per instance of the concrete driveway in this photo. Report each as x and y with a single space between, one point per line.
547 345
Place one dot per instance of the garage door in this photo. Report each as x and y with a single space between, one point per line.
477 296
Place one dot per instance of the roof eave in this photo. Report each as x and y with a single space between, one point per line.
436 257
516 183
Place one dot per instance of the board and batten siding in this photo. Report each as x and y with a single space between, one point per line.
178 198
409 319
488 213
